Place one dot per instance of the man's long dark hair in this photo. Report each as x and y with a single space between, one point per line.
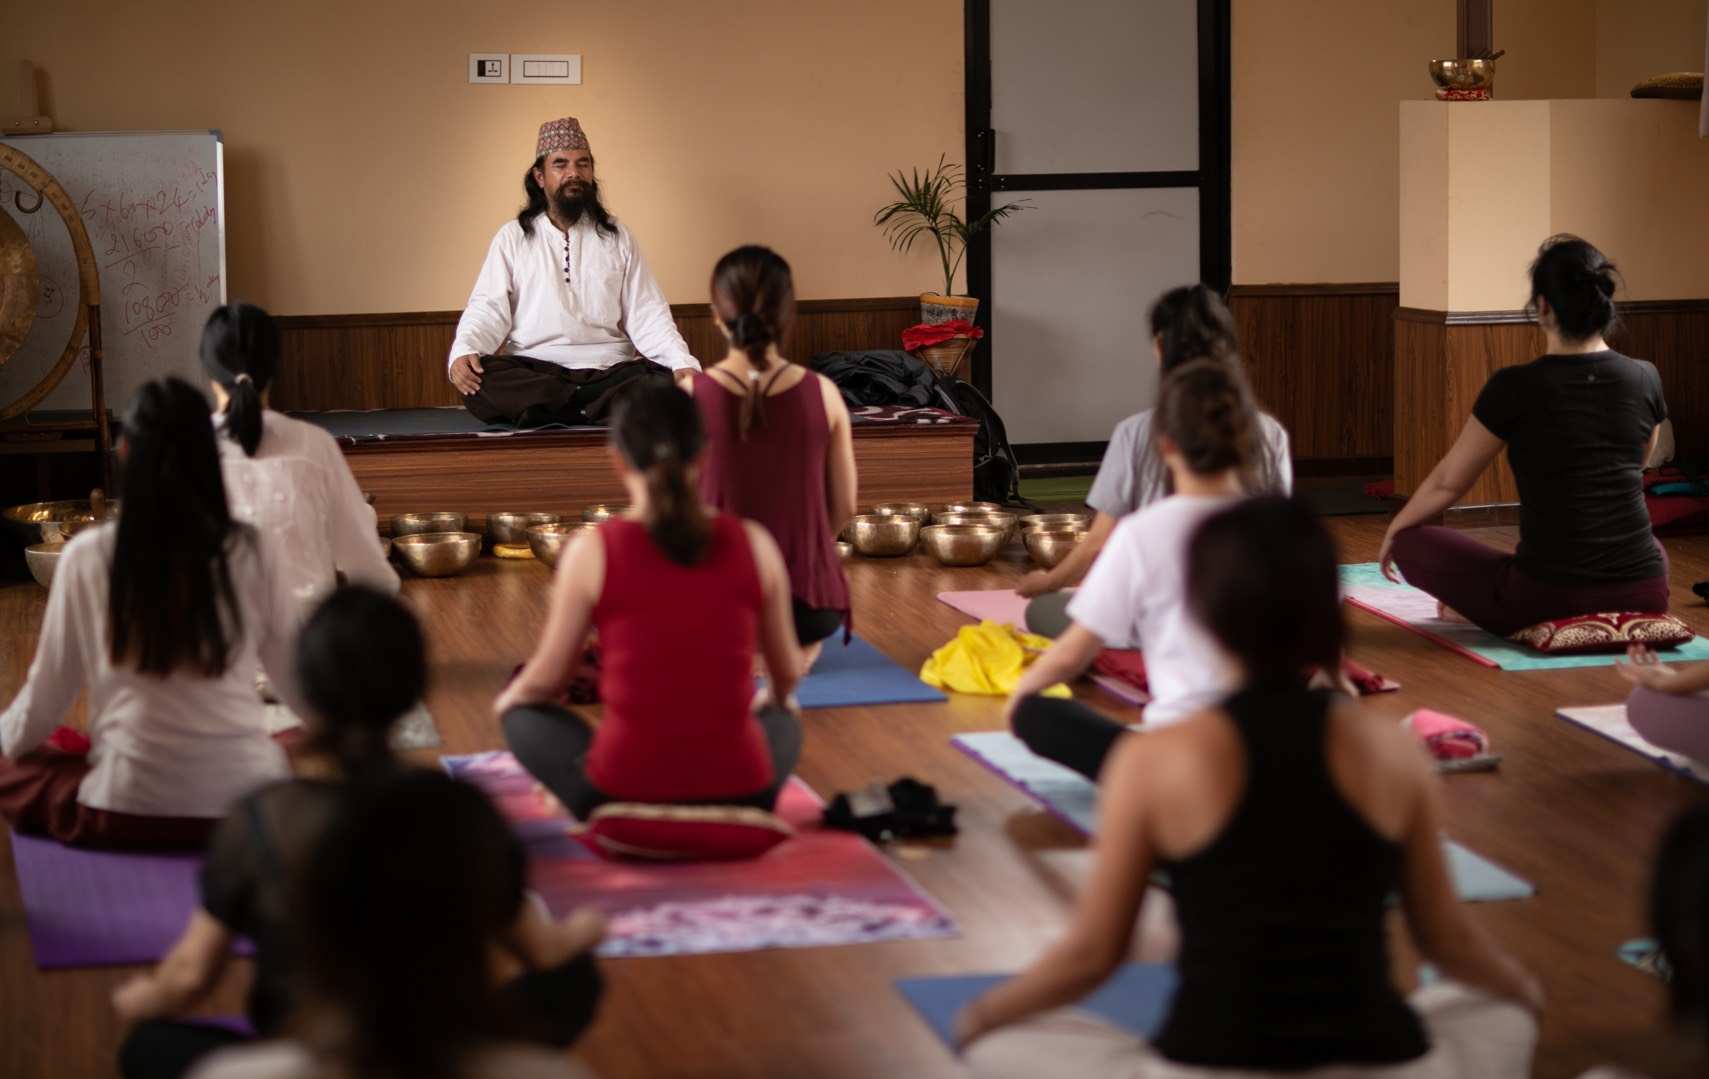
588 204
171 603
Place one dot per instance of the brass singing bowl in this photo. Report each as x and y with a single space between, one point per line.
1463 74
919 511
548 541
605 511
1006 521
883 535
1054 520
964 544
43 559
973 507
418 524
845 550
1049 546
437 554
55 522
508 528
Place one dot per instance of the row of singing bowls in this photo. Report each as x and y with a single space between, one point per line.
1049 546
43 559
417 524
605 511
548 541
437 554
883 535
964 544
1008 522
56 522
508 528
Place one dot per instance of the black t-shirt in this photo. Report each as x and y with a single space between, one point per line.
1576 429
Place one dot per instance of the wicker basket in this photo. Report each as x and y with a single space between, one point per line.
947 358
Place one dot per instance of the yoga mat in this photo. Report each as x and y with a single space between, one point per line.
1645 954
858 674
1135 998
820 888
88 908
1073 799
1364 586
414 731
1609 720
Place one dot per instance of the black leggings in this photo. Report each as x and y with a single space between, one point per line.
553 1007
552 743
814 624
1067 732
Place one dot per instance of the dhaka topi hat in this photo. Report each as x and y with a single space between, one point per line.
562 134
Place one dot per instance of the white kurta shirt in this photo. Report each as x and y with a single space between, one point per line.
179 746
584 299
299 490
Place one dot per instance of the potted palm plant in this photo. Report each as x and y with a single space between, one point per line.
926 205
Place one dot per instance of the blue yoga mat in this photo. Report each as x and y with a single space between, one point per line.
1073 799
1499 651
1135 998
856 674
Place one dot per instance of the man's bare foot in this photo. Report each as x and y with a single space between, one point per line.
1446 613
810 656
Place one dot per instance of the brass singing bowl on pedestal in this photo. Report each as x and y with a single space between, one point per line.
605 511
56 522
919 511
508 528
1006 521
437 554
1054 520
963 544
549 540
883 535
1462 74
43 559
1049 546
417 524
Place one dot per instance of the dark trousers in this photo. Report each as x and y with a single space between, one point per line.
1486 586
550 1007
814 624
1067 732
552 743
1047 615
527 392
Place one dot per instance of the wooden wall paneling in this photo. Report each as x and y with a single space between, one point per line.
398 360
1674 336
1420 375
1321 359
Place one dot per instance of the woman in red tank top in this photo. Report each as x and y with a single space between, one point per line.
779 449
681 601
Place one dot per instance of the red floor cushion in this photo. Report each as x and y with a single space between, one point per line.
628 831
1608 632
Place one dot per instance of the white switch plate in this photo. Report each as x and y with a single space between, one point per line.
482 69
546 69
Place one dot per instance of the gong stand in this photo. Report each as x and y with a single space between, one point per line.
47 189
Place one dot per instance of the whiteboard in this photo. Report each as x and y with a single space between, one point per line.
153 203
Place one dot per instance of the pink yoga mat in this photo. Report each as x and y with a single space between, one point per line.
991 605
822 887
1436 638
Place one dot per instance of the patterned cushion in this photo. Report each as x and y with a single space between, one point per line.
1610 632
622 831
1678 85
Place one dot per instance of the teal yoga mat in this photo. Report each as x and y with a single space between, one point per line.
1363 584
1073 799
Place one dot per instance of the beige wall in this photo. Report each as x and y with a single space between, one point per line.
364 173
1640 38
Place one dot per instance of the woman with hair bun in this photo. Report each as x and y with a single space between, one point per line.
1579 424
683 601
284 476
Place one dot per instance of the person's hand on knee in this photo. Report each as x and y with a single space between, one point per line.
465 374
1035 584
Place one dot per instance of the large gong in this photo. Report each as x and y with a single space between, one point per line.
20 288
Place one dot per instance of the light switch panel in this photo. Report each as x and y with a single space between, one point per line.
546 69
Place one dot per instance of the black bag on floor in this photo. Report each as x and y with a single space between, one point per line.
996 471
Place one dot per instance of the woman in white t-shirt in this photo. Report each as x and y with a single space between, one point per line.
1207 431
284 476
1187 323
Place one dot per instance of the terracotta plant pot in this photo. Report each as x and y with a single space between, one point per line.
935 308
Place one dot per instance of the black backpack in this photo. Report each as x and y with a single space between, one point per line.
996 472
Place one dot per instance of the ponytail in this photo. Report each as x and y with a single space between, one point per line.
240 352
1191 322
753 294
1206 410
657 430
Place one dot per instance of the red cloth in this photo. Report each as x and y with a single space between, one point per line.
69 740
1365 680
1674 514
776 476
1126 665
677 670
927 334
38 797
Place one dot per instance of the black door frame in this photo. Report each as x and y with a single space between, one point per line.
1211 177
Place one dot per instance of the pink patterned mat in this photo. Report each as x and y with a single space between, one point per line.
821 888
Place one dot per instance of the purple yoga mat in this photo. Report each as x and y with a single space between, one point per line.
89 908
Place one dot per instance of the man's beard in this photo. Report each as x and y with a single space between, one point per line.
585 199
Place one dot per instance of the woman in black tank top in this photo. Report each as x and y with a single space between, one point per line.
1286 822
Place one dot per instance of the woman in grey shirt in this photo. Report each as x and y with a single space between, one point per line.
1187 323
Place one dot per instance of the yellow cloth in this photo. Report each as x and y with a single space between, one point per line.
987 658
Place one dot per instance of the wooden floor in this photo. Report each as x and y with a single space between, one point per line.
1575 814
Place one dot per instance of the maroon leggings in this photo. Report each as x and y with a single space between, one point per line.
1487 587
